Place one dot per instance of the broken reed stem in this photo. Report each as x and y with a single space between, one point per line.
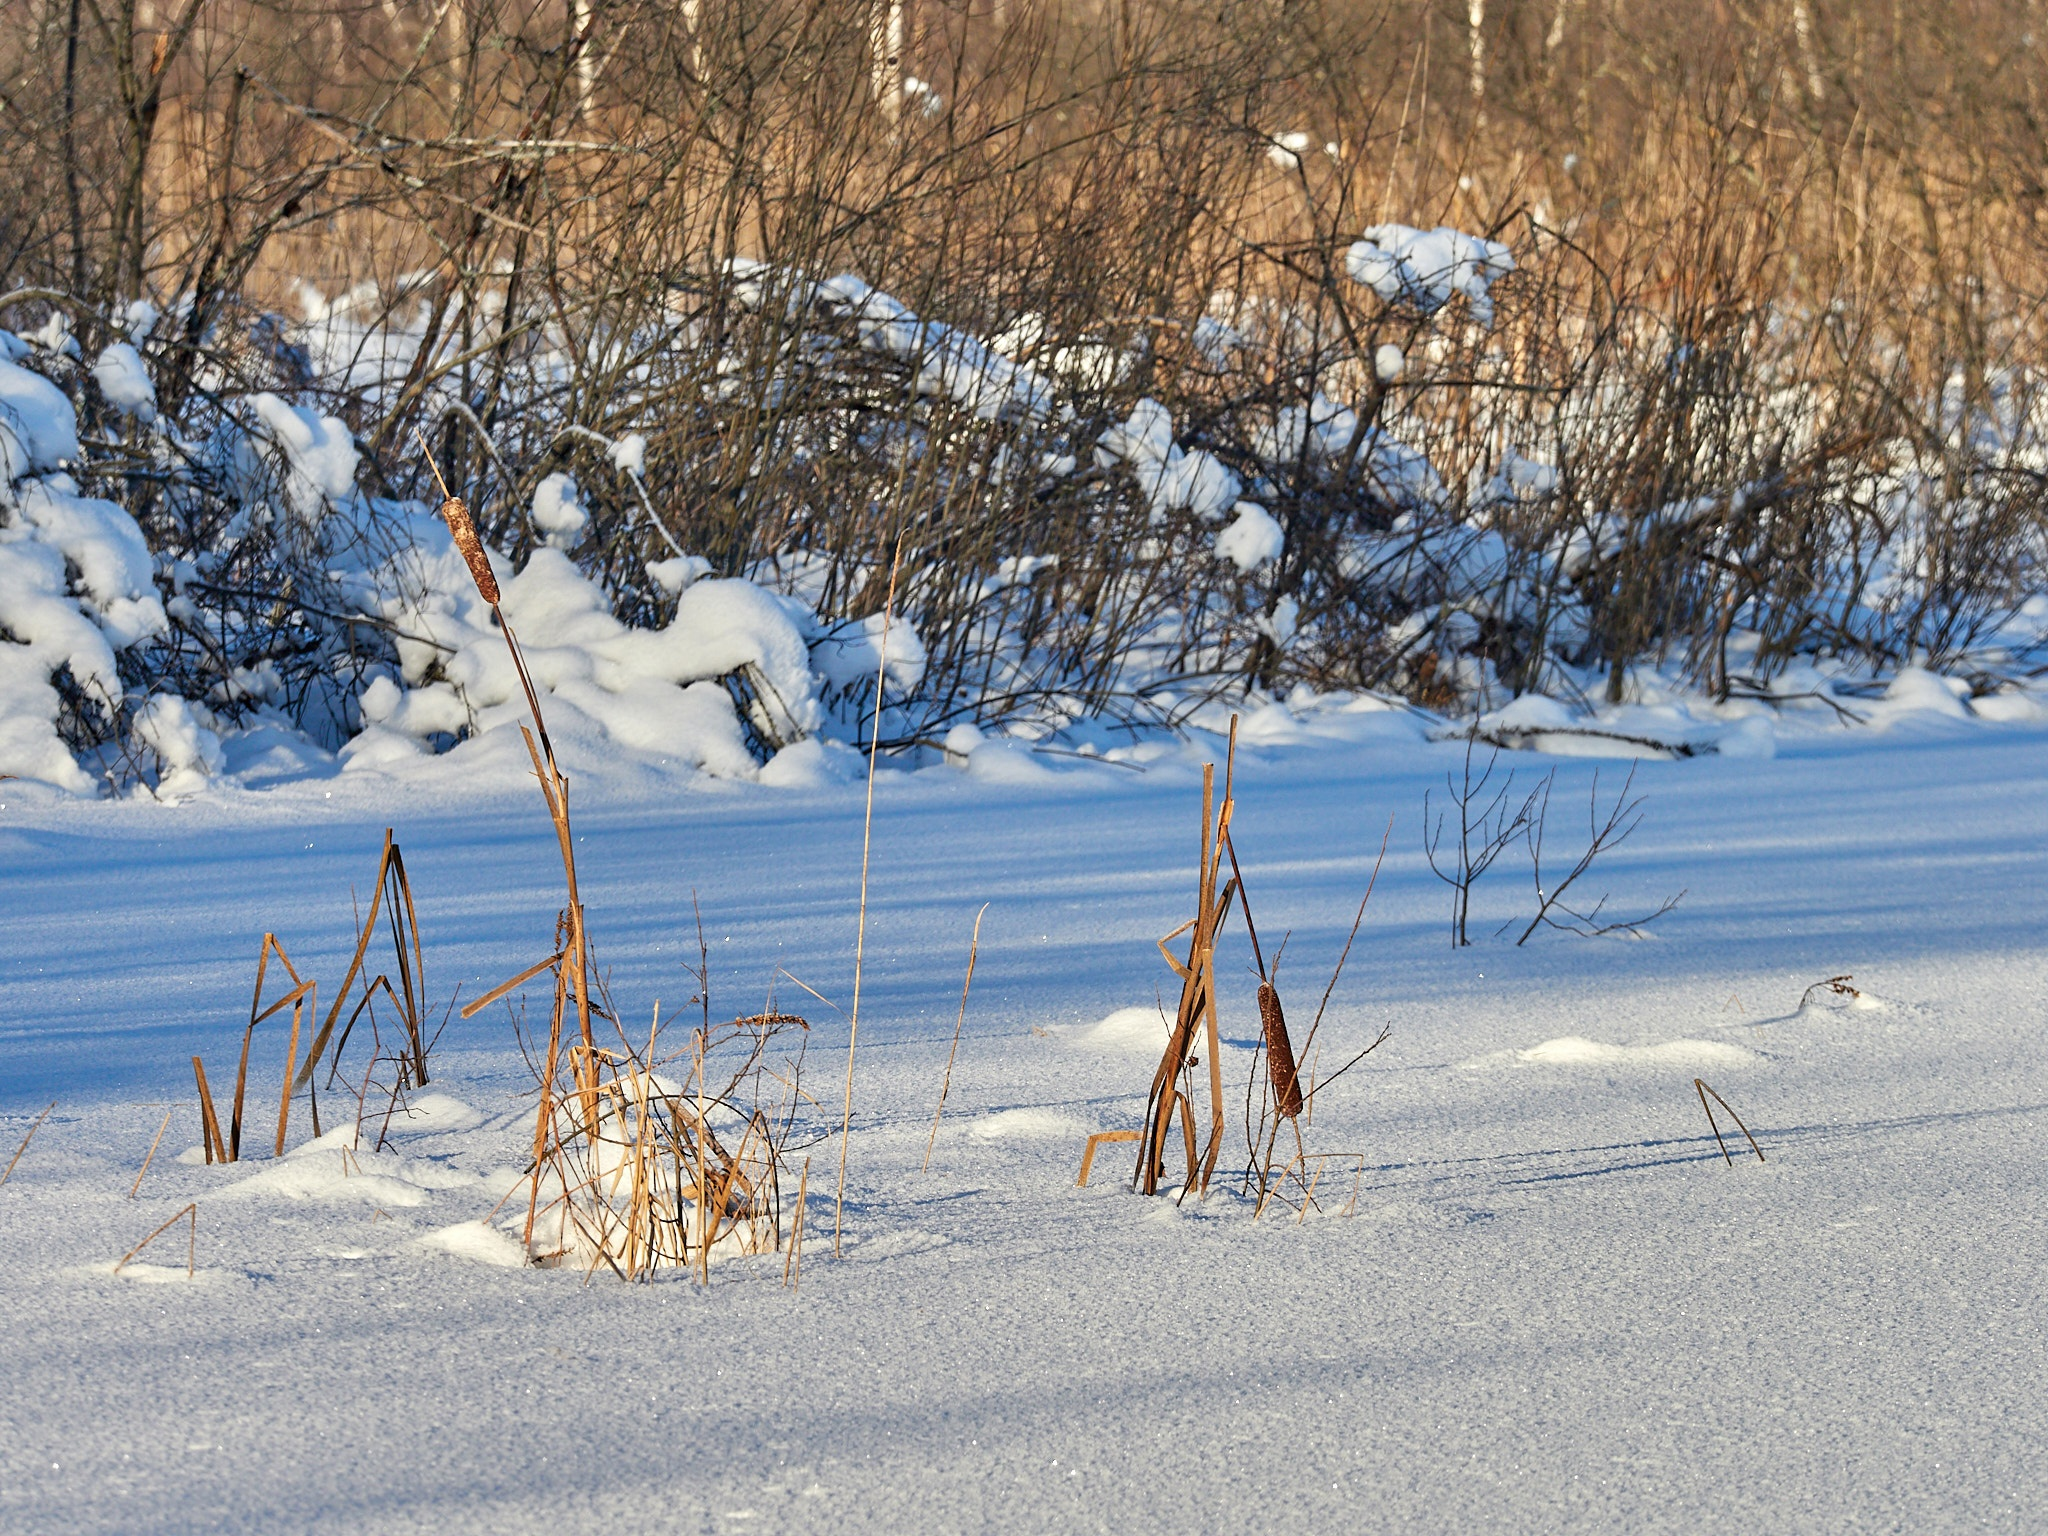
31 1136
973 949
1197 1000
1703 1090
860 938
1308 1196
191 1250
152 1154
257 1014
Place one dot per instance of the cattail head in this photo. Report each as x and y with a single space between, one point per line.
472 547
1279 1053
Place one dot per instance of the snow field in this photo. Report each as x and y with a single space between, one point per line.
1554 1305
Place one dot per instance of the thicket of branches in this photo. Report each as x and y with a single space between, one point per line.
1765 370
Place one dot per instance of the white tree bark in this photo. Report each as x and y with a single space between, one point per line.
887 48
1802 25
1475 16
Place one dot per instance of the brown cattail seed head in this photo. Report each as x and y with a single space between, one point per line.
1279 1053
472 547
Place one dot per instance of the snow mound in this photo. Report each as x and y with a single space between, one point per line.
1253 540
1173 479
319 451
557 512
1128 1029
435 1112
38 430
334 1167
188 754
478 1242
1578 1051
1027 1125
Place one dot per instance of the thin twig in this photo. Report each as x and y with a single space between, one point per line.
861 931
973 949
31 1136
191 1251
152 1154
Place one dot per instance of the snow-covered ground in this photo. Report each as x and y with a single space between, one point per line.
1553 1307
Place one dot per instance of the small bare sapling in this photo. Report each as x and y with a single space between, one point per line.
1488 822
1603 833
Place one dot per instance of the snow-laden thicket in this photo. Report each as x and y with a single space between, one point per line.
1079 530
289 597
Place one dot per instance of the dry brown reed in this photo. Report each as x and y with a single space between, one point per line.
1101 1139
628 1170
860 940
1287 1099
391 898
1286 1102
1833 986
1194 1025
390 893
793 1262
668 1174
1279 1108
192 1243
301 999
150 1156
31 1136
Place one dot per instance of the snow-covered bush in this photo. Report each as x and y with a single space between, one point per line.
75 590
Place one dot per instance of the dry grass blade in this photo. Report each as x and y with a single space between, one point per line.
793 1261
151 1157
192 1248
209 1122
31 1136
973 949
391 895
1703 1090
300 1008
257 1014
